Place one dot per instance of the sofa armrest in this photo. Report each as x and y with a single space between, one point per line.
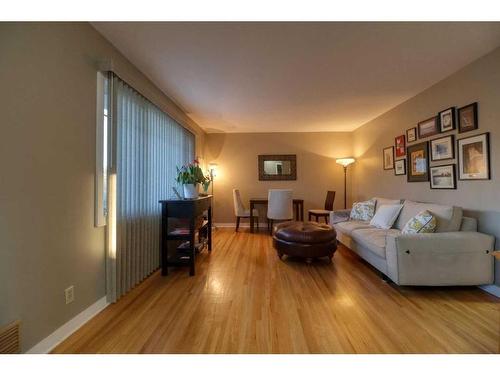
449 258
339 216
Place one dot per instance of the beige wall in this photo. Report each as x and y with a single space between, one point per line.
479 82
47 158
317 172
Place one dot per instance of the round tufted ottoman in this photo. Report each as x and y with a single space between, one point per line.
304 239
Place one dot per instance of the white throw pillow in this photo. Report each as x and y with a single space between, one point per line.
386 216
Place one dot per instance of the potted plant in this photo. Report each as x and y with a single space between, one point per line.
190 175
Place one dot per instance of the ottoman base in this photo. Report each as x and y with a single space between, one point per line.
294 249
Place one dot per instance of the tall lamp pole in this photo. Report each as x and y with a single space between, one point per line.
345 162
212 167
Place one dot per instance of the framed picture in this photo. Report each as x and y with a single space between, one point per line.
389 158
443 177
418 162
411 135
400 146
447 120
474 157
400 167
443 148
467 118
428 127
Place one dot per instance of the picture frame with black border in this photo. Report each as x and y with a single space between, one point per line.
400 146
428 127
447 120
400 167
443 181
464 175
468 118
433 145
411 135
388 158
417 162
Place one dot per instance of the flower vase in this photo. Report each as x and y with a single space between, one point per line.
190 191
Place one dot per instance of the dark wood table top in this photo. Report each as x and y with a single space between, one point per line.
265 200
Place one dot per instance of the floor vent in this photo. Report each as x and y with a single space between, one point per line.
9 339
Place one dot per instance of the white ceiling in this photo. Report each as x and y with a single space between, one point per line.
272 77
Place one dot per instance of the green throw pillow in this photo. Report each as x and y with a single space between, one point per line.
424 222
363 210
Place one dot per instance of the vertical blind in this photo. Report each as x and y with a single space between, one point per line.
148 145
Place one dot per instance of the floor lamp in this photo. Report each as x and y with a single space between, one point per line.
345 162
212 168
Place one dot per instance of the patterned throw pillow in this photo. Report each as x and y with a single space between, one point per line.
363 210
424 222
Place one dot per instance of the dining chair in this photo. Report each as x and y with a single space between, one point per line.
317 213
279 206
240 211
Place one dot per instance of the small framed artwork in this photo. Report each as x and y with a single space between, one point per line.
428 127
474 157
400 146
389 158
400 167
443 177
418 162
467 118
443 148
447 120
411 135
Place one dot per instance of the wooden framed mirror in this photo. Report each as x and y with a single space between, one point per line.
277 167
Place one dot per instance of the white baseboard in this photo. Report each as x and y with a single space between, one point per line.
491 289
63 332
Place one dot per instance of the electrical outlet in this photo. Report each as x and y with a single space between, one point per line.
69 293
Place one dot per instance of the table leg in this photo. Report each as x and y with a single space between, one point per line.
192 249
251 216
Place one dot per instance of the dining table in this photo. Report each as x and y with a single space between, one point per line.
298 209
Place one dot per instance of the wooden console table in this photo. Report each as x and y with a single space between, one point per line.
189 210
298 207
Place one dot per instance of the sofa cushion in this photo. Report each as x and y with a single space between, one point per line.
385 202
347 227
374 238
469 224
449 218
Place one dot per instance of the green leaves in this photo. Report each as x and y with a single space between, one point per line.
191 174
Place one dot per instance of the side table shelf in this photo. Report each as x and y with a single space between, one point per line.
193 237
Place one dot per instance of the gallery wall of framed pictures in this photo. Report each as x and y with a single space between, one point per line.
437 151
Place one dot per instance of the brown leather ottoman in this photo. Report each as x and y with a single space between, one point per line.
305 239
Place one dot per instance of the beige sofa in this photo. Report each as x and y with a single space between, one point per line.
456 254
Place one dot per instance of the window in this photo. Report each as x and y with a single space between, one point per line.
147 146
102 131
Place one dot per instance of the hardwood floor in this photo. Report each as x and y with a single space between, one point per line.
243 299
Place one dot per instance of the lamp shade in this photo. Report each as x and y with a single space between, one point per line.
345 161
